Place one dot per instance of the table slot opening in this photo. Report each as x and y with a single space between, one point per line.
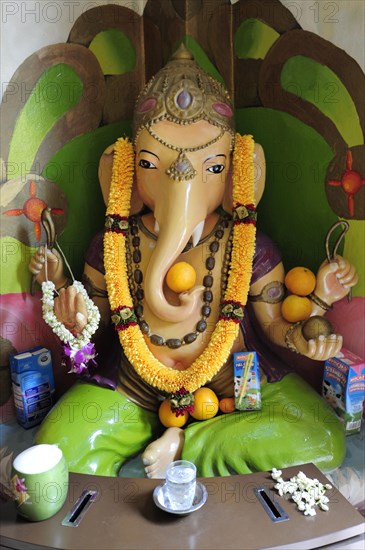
78 511
271 506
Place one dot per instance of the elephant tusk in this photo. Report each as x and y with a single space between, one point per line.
197 233
156 227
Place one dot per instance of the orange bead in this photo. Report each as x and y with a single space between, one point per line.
181 277
227 405
300 281
168 418
296 308
206 404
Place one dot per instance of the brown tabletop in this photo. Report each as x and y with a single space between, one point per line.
124 516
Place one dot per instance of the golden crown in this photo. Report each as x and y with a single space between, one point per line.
183 93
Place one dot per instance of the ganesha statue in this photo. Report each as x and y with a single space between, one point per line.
186 190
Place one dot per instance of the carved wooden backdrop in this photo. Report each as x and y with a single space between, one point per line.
298 94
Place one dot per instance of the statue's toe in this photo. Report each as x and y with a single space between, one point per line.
160 453
151 454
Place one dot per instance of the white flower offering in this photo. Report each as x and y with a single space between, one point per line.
307 493
79 350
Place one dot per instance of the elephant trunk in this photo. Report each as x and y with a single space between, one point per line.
176 228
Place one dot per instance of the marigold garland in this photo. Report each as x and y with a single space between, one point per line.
207 365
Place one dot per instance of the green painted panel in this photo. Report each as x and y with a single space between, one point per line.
201 57
57 90
253 39
75 169
114 51
355 252
320 86
15 275
294 210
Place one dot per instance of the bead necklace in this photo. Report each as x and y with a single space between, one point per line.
226 330
136 285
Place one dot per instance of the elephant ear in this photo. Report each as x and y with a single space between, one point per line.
105 178
105 172
260 173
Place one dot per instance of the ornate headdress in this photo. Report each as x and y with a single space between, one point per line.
183 93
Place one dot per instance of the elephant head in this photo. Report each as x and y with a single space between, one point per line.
183 136
180 208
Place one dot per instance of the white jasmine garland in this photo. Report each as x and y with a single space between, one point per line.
93 316
304 491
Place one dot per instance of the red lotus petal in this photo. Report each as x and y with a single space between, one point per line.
14 212
32 189
348 160
351 205
57 211
37 230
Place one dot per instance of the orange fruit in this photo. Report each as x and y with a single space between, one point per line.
168 418
181 277
296 308
226 405
206 404
300 281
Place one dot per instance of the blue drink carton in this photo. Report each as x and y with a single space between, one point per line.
344 388
247 387
33 385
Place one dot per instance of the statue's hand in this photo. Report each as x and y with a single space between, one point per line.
70 309
335 279
54 267
320 348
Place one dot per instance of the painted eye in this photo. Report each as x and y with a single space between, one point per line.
216 168
147 165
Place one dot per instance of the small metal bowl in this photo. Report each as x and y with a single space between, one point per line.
200 499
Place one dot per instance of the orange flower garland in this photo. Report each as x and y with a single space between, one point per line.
208 364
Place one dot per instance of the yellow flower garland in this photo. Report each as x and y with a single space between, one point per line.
208 364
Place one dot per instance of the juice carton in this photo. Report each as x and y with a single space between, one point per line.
344 388
247 388
33 385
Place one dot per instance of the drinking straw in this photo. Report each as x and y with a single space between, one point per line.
245 374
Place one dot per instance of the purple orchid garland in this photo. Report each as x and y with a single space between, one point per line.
79 358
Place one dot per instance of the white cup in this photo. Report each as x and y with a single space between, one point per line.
180 485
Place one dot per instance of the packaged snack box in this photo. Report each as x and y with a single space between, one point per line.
247 388
344 388
33 385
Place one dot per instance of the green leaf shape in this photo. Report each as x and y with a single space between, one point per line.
253 39
240 443
294 210
320 86
201 57
58 89
75 169
114 51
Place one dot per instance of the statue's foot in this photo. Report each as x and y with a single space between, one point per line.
158 455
